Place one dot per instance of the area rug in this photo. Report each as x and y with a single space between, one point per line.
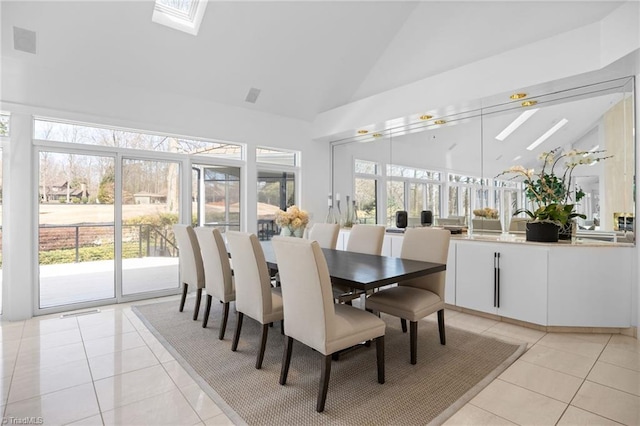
444 379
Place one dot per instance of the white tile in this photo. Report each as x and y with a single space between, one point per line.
50 340
124 389
89 421
6 366
529 335
518 405
624 343
59 407
178 374
109 328
576 416
616 377
607 402
31 383
219 420
621 358
49 325
160 352
111 344
602 339
568 343
470 322
506 339
5 383
48 357
9 350
121 362
472 415
542 380
558 360
11 332
169 408
200 401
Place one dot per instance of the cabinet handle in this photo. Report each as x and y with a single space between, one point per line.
498 281
495 279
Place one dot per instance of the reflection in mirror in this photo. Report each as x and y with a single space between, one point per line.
452 169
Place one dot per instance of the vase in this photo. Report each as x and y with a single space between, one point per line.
298 232
568 231
542 232
285 231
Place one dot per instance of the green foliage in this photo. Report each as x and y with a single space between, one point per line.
557 213
88 254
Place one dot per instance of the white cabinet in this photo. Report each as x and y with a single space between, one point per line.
503 279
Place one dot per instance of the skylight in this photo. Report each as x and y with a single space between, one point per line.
182 15
548 134
515 124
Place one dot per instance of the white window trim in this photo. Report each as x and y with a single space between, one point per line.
188 23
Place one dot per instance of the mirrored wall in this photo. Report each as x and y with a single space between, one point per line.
451 162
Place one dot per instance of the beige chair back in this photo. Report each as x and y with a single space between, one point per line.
326 234
427 245
217 269
307 298
366 239
252 281
191 268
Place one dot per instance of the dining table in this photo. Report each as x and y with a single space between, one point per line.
365 271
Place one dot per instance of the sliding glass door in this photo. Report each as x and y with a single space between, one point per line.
76 244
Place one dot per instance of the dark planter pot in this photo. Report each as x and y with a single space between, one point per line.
542 232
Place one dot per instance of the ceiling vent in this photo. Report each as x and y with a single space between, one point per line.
24 40
252 96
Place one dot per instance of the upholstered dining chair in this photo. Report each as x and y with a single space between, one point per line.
326 234
366 239
255 297
417 298
191 268
311 317
218 279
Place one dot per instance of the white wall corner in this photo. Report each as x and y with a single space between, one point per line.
620 32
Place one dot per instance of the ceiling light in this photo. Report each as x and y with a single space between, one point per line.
363 132
440 121
592 150
548 134
529 103
377 135
518 96
426 117
516 123
516 158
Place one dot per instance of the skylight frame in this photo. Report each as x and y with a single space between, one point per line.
178 19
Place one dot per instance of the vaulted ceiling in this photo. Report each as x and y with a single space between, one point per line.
306 57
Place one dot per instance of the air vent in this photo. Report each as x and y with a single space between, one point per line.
252 96
24 40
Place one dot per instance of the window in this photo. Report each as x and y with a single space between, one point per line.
181 15
4 124
413 190
118 138
275 156
366 191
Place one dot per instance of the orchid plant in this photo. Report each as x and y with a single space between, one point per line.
552 193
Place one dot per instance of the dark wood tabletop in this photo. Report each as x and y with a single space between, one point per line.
366 271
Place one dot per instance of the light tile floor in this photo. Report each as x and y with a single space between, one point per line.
107 368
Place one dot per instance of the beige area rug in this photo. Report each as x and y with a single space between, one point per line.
445 378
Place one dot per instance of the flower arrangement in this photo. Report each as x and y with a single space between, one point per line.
293 218
487 212
552 193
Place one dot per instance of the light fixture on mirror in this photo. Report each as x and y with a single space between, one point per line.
548 134
529 103
363 132
377 135
426 117
516 123
440 121
517 96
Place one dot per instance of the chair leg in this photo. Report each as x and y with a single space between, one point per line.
207 311
282 327
263 345
443 340
184 296
196 310
286 360
324 383
380 357
403 323
413 340
223 324
236 336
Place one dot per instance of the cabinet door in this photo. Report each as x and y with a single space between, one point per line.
450 283
523 283
474 275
